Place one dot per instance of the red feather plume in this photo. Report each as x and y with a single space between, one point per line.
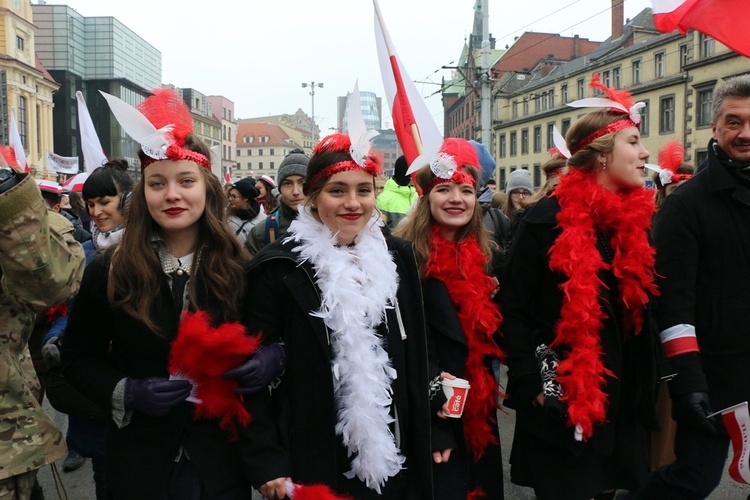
203 354
314 492
333 142
671 155
461 150
620 96
165 107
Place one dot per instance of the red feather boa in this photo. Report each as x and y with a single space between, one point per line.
626 215
314 492
460 265
203 354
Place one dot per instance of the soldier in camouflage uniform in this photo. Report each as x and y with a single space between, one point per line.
40 265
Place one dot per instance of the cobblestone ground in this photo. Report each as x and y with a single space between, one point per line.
79 484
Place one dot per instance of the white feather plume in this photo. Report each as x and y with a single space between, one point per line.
154 143
665 175
601 102
358 134
559 142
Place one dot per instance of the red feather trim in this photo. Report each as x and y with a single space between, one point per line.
165 107
55 312
585 206
315 492
203 354
619 96
476 494
460 265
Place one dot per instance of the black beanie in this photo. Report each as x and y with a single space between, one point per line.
247 188
399 172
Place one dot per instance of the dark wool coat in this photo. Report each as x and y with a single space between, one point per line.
545 454
461 474
284 294
103 346
702 236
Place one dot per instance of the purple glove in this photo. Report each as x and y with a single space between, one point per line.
257 372
155 396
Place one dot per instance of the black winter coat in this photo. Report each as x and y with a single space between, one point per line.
545 454
702 236
102 347
304 413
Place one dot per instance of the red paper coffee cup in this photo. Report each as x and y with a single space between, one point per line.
456 391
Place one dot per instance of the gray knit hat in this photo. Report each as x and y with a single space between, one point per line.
295 163
519 179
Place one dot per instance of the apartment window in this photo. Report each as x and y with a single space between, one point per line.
224 132
271 153
260 152
707 45
580 88
515 109
249 152
645 121
636 72
705 107
502 146
526 106
537 174
659 65
223 151
260 165
22 120
551 99
550 135
565 126
272 165
513 150
666 114
538 139
684 56
239 152
701 156
606 78
537 103
564 93
525 141
502 178
249 165
238 165
19 43
616 80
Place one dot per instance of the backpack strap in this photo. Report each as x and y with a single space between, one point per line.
241 227
272 227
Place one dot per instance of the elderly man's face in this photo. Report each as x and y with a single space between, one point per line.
732 128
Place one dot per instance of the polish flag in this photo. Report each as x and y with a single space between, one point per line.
15 143
737 423
415 127
724 20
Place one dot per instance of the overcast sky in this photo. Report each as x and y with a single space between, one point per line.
258 52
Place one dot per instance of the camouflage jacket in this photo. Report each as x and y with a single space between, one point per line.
40 265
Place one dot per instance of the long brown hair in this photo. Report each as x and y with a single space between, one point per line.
417 226
218 270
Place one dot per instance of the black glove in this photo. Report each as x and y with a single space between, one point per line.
693 409
257 372
51 352
155 396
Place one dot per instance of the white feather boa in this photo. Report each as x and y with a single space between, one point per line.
357 285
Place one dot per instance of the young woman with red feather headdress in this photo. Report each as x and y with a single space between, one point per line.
456 262
575 297
155 336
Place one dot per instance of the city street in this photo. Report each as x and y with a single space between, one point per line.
79 484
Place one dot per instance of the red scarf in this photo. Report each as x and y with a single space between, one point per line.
626 215
460 265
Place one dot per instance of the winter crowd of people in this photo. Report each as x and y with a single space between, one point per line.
316 337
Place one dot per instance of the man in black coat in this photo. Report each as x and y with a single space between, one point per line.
702 236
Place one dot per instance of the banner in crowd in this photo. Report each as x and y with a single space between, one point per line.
15 142
737 423
62 164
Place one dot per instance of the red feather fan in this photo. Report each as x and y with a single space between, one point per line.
671 155
203 354
165 107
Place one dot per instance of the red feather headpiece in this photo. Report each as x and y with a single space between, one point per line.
372 164
448 163
671 156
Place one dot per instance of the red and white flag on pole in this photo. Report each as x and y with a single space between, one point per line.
415 128
737 423
15 143
724 20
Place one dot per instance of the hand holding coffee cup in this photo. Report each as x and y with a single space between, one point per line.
456 391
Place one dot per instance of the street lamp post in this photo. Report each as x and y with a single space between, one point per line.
312 86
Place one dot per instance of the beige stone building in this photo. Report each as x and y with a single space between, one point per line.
260 149
673 75
26 84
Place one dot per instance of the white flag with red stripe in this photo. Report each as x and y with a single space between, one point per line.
737 423
415 128
15 143
724 20
93 154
